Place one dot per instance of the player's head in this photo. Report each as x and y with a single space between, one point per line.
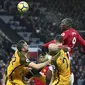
22 46
53 48
66 24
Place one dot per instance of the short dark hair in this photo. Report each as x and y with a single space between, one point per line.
20 45
68 22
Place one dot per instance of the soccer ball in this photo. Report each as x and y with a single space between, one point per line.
22 6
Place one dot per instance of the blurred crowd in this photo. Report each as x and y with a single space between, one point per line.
39 24
43 17
78 66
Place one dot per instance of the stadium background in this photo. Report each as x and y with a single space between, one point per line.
39 25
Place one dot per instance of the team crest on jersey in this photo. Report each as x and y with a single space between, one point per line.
27 60
63 34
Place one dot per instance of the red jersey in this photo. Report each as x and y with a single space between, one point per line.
44 71
71 37
41 80
47 44
38 82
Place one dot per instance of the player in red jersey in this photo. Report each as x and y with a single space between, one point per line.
69 37
40 78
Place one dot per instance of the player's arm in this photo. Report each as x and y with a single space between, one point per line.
51 74
38 66
43 60
52 78
50 42
4 79
27 62
81 41
65 48
58 39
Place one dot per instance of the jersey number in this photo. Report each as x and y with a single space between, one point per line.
74 40
65 61
13 60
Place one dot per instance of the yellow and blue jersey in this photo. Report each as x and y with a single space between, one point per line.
62 69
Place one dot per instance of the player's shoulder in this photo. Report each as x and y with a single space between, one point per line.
69 31
72 30
64 33
16 52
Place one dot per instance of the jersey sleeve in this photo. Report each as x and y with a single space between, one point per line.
47 44
81 41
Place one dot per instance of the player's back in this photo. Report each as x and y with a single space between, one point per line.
63 69
15 68
70 37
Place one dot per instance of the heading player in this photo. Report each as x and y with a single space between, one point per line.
69 37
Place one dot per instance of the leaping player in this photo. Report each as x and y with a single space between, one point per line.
69 37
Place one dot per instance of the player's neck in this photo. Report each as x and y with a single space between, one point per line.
24 53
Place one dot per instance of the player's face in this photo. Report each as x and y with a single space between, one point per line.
25 47
63 26
41 58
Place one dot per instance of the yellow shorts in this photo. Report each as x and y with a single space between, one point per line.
14 82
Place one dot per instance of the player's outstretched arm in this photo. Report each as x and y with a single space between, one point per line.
51 74
52 78
50 42
4 79
38 66
65 48
81 40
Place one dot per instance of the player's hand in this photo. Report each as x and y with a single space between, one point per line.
48 62
48 56
27 68
65 48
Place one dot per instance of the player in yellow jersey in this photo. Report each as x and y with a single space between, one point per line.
19 65
61 64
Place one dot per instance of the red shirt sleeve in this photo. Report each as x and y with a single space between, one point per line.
81 41
47 44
